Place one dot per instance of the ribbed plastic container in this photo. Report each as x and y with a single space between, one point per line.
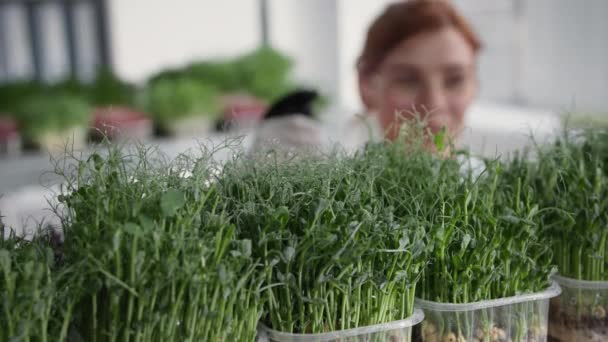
397 331
518 318
579 313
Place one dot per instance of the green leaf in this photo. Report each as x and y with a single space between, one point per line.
97 161
439 139
146 223
223 274
171 202
246 248
5 260
404 242
288 254
116 240
465 241
282 215
132 228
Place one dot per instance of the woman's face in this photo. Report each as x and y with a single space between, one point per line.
432 74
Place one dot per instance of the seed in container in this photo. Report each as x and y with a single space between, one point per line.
497 334
599 312
451 337
429 332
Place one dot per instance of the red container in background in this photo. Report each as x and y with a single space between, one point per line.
10 139
242 110
120 123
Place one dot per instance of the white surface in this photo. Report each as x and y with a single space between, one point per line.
28 207
497 130
149 35
506 118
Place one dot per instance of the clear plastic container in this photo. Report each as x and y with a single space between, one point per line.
517 318
579 313
397 331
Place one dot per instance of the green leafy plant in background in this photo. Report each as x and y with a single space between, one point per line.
587 120
168 101
13 93
166 74
70 86
51 114
265 73
170 94
108 89
224 75
105 89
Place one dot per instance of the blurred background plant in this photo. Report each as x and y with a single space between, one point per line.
169 101
46 116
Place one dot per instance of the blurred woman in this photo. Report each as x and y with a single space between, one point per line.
419 59
420 56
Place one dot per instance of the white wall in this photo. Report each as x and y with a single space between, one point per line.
498 26
307 31
18 62
567 50
324 37
86 43
543 53
55 61
149 35
354 19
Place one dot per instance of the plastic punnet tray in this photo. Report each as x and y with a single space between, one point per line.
397 331
518 318
579 313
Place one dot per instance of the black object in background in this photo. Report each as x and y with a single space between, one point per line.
296 102
299 102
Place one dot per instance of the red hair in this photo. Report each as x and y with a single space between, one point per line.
405 19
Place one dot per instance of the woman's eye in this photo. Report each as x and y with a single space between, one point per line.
454 81
407 81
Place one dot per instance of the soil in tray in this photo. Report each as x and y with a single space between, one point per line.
589 326
565 328
496 334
